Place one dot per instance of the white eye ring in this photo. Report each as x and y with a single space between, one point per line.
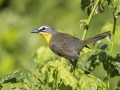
43 28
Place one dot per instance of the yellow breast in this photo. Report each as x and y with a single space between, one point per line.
46 36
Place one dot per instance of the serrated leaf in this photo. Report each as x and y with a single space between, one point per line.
89 82
19 76
87 5
88 61
8 78
114 5
112 65
55 71
66 77
45 87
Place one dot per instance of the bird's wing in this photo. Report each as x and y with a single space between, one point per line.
65 50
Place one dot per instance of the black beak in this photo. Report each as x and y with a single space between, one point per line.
34 31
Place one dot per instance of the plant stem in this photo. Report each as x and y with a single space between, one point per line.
113 33
108 83
112 47
89 19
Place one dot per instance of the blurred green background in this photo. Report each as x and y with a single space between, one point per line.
19 17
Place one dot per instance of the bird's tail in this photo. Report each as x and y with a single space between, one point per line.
96 38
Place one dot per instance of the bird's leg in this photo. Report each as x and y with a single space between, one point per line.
73 63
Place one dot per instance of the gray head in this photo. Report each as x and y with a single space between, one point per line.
45 29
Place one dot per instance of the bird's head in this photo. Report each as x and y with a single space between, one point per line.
46 31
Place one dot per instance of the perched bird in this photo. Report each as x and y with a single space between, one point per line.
66 45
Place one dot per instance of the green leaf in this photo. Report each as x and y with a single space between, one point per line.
55 71
57 74
45 87
112 65
25 77
21 75
66 77
89 82
114 5
87 5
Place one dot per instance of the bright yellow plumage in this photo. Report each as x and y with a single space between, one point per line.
46 36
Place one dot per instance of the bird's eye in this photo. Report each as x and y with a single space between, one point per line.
43 28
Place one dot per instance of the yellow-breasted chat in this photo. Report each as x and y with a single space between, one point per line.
64 44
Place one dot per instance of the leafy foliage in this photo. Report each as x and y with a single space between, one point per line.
54 75
54 72
115 6
22 75
87 5
114 65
